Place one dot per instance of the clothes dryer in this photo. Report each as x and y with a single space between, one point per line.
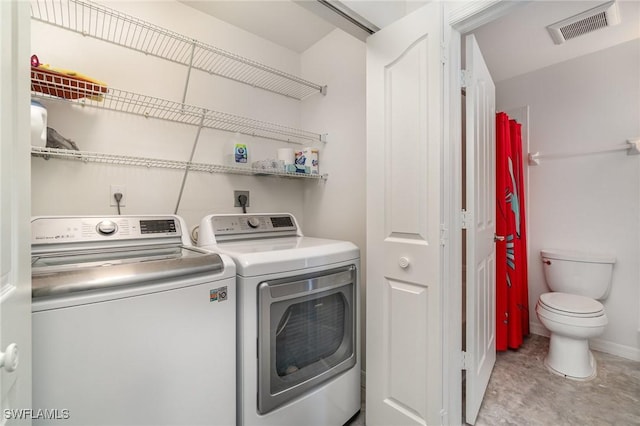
298 320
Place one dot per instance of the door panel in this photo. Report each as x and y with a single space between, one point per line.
406 153
480 202
406 305
404 120
15 271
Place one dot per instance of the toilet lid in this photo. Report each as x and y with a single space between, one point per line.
572 304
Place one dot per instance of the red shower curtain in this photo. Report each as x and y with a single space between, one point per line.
512 299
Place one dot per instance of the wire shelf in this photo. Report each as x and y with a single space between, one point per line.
125 160
69 89
109 25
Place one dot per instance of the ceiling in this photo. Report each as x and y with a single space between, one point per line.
519 43
280 21
512 45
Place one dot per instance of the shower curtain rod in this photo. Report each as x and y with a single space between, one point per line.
632 147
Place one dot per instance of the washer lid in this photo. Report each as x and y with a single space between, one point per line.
572 304
81 272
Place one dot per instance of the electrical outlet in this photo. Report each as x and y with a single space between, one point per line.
114 190
236 194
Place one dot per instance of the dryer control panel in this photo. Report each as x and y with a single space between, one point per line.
247 226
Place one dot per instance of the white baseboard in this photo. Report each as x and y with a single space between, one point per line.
616 349
622 351
537 328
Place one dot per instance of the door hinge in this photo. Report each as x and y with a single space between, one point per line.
465 79
443 53
444 235
465 219
464 360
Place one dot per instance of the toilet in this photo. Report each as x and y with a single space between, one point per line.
571 311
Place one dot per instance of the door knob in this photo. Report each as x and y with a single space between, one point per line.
9 359
403 262
497 238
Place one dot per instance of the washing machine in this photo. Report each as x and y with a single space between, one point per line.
131 324
298 322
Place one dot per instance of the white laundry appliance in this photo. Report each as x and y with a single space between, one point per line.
298 321
131 325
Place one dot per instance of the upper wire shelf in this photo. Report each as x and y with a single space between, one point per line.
59 87
96 157
109 25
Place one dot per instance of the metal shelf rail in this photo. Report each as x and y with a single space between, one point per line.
69 89
103 23
95 157
632 147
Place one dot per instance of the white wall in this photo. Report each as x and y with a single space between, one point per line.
332 209
68 187
588 202
336 208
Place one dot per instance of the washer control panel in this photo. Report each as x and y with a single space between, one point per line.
45 230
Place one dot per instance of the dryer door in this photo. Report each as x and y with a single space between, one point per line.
306 333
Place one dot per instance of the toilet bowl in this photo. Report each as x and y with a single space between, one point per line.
571 311
572 320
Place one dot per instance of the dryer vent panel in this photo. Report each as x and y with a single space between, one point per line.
605 15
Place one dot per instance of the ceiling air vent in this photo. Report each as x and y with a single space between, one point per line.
605 15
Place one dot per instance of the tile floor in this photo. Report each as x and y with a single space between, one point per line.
522 392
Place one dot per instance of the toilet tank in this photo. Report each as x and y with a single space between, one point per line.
585 274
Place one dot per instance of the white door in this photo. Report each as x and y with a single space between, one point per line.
15 272
404 144
480 223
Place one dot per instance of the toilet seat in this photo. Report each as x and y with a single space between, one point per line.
567 320
558 307
571 305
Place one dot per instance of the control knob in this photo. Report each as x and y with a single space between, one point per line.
253 222
107 227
